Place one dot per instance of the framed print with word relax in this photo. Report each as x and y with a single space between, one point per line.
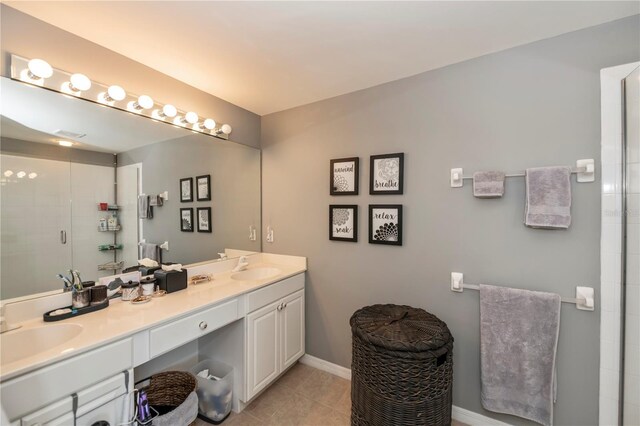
186 190
386 174
186 219
385 224
343 222
344 176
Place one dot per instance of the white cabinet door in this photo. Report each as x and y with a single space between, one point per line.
292 326
262 348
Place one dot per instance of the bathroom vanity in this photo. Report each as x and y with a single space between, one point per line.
252 320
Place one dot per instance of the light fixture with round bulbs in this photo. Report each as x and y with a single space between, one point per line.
33 175
208 124
8 173
79 83
39 69
114 93
65 143
189 118
167 111
225 128
143 102
21 174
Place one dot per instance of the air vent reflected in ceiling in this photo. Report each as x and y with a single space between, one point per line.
69 134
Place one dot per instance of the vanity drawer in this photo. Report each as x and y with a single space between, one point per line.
181 331
34 390
269 294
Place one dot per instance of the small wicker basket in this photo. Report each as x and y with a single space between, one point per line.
174 389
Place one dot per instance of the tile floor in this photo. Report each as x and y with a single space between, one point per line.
304 396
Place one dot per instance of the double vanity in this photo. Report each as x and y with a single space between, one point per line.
82 370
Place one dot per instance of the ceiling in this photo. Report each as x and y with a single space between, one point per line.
270 56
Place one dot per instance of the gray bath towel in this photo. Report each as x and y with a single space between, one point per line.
488 184
518 341
145 211
548 199
151 251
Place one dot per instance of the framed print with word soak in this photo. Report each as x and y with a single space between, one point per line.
343 222
386 174
344 176
385 224
204 219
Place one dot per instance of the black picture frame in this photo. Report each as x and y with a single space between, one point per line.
207 211
348 180
383 230
186 219
337 220
386 176
186 196
207 182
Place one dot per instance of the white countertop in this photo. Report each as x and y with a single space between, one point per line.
123 319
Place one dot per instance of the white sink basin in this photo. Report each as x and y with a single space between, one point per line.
18 344
256 274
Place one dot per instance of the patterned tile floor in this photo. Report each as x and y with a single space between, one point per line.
304 396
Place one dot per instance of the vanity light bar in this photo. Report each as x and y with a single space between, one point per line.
39 73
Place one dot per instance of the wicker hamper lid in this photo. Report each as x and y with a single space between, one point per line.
400 328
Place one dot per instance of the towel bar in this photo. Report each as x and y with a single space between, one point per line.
584 299
585 169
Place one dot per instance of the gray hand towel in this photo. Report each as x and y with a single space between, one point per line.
151 251
143 206
548 199
518 342
488 184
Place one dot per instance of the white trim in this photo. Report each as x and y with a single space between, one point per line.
329 367
611 144
457 413
474 419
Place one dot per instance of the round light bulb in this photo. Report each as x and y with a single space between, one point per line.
209 124
21 174
39 68
145 102
226 129
169 111
79 82
33 175
8 173
116 93
191 117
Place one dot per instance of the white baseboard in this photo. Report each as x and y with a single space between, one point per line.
460 414
329 367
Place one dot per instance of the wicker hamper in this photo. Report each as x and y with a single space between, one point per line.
173 393
402 367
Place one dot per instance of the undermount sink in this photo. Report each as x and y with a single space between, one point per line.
256 274
18 344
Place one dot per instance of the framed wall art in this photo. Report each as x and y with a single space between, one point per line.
385 224
344 176
343 222
186 190
204 219
203 188
186 219
386 174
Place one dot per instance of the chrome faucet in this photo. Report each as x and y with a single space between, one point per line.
242 264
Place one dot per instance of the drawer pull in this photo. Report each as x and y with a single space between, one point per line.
203 325
279 308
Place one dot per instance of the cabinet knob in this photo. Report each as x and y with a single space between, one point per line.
284 306
202 325
279 308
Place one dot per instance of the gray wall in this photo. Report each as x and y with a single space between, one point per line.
533 105
235 194
27 36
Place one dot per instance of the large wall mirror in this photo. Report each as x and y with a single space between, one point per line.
93 206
